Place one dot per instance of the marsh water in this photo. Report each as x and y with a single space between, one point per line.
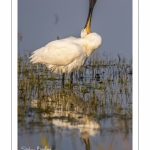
95 113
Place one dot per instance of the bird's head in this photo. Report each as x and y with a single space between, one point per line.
91 40
83 33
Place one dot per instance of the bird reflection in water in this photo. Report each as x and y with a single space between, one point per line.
65 119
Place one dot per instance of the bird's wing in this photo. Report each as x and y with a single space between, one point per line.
59 52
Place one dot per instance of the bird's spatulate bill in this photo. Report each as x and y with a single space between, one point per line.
88 22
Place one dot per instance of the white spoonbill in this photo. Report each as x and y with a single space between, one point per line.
69 54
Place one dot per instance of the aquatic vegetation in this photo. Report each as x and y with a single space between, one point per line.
102 90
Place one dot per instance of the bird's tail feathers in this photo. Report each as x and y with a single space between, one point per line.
36 56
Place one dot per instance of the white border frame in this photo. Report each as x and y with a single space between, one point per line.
14 74
135 127
144 76
14 32
5 74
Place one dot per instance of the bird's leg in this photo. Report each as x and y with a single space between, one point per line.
63 78
71 79
87 141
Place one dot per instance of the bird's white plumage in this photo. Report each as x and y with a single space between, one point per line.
67 55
